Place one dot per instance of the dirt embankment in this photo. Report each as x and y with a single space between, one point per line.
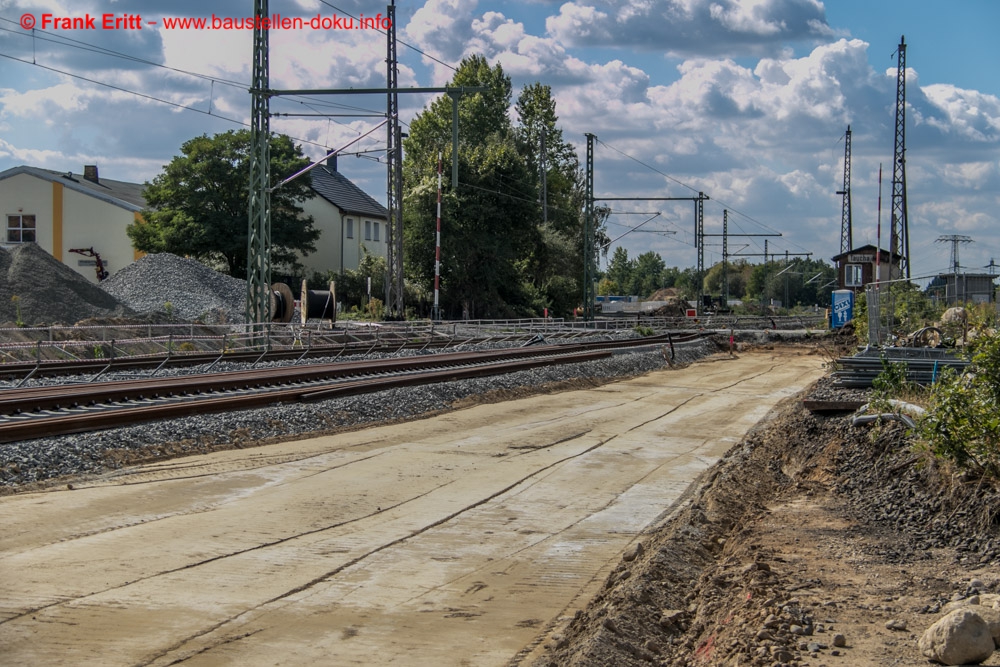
812 543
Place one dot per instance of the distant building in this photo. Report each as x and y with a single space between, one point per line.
347 217
856 268
63 211
959 288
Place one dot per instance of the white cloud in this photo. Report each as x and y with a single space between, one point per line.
691 26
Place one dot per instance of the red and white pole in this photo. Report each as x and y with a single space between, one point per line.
437 250
878 233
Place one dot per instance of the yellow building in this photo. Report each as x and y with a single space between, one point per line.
65 211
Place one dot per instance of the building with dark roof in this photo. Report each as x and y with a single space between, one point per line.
350 222
61 211
857 267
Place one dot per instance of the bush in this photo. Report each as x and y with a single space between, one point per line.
962 423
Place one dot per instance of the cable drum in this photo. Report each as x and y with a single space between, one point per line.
282 303
318 304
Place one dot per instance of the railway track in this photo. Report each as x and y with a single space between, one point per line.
28 413
26 370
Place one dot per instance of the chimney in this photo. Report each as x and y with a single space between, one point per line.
90 173
331 162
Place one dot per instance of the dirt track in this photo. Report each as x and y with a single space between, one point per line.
456 540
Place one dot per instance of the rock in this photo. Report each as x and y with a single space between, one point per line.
958 638
960 604
781 654
896 624
771 621
633 552
989 600
954 315
839 640
992 618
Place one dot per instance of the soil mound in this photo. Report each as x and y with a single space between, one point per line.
192 290
49 292
811 539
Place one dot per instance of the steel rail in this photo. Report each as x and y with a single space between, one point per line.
25 409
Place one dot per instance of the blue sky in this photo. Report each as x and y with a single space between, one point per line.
746 100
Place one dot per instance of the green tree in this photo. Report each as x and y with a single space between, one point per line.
621 270
647 275
739 273
198 206
809 282
489 220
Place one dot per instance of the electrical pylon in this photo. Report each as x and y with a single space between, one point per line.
846 224
899 244
259 223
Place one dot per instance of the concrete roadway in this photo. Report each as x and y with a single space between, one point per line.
453 540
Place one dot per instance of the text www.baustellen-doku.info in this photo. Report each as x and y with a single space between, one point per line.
55 22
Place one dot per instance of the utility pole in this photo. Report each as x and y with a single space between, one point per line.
394 177
899 243
699 239
846 242
544 178
588 233
436 313
258 304
725 258
954 240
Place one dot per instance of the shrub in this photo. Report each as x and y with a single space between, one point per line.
962 423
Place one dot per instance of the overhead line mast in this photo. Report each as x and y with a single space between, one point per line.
258 304
899 243
394 197
846 223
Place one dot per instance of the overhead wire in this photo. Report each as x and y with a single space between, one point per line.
696 190
62 40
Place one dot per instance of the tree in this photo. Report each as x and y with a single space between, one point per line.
489 220
198 206
648 273
809 282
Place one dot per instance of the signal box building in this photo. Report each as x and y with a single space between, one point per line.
856 268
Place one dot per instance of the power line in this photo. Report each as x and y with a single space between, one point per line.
62 40
696 190
145 96
398 41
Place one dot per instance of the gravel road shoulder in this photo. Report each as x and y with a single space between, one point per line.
811 543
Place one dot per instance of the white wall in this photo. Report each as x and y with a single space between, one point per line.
334 252
86 222
92 223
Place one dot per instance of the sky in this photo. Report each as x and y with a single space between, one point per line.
745 100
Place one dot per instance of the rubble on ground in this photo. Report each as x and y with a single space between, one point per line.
37 289
180 287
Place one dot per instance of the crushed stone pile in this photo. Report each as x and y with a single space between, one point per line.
48 291
193 290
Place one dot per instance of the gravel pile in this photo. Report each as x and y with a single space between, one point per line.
48 291
48 458
193 290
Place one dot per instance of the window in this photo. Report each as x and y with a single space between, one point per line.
350 228
368 230
20 228
853 275
376 232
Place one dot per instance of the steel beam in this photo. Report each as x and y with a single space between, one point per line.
258 302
